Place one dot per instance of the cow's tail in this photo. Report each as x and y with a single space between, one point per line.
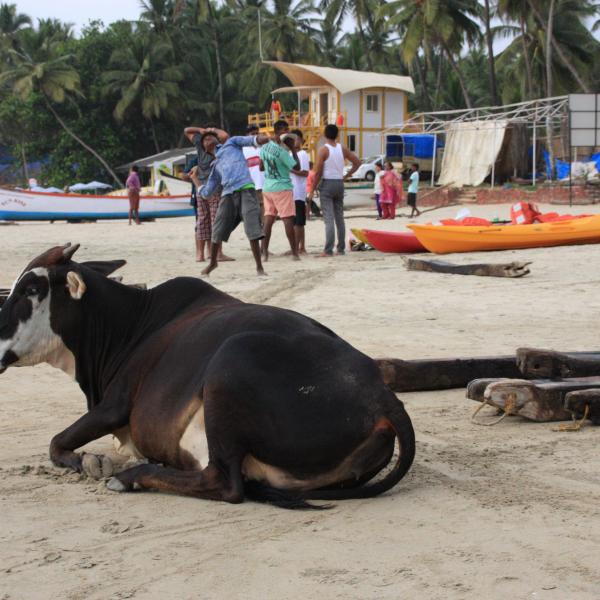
261 492
403 429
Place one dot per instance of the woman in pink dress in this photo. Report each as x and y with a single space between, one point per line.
391 191
134 187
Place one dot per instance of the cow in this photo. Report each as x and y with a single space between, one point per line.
224 399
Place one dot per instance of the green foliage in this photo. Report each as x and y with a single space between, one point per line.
117 92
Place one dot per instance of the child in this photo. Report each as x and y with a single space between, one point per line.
310 183
377 187
391 191
413 188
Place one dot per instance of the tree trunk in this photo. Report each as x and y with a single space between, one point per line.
549 74
365 44
82 143
217 46
24 159
491 61
559 51
154 138
461 79
527 58
438 84
423 81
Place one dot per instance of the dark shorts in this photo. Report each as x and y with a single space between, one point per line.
241 206
411 199
300 218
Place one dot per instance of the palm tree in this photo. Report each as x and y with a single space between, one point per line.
429 23
11 23
146 79
42 67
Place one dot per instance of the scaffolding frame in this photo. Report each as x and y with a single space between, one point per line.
543 112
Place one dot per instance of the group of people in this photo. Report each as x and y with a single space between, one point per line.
389 190
255 179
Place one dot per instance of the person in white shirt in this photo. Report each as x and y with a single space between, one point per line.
299 182
377 186
252 156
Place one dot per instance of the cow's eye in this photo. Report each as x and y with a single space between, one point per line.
31 290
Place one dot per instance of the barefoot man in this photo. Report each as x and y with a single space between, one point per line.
238 197
329 172
278 190
205 139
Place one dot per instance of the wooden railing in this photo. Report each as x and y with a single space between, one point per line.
295 119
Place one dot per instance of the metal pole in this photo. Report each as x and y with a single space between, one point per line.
260 52
434 157
534 162
494 157
570 159
299 102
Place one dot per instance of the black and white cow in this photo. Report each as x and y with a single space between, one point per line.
226 400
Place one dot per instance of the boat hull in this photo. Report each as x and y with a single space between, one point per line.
398 242
444 239
16 205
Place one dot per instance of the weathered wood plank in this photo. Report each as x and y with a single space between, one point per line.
442 374
513 269
540 400
577 401
536 363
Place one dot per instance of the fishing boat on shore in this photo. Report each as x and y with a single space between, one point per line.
443 239
26 205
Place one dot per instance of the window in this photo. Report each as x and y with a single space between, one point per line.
352 142
373 103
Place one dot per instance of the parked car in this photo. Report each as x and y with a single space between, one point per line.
367 168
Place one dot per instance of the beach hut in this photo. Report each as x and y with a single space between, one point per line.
360 103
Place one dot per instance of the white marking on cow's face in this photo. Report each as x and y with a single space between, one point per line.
194 439
34 342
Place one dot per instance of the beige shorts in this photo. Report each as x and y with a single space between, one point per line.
279 204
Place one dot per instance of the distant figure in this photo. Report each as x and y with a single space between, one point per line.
329 172
413 189
191 164
278 190
299 177
134 187
391 191
238 198
311 205
252 156
275 109
205 139
340 120
377 187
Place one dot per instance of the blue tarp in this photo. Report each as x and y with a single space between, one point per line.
419 146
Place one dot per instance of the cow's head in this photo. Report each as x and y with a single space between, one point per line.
27 335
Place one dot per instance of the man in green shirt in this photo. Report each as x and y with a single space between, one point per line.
278 158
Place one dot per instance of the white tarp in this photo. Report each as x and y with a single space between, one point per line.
471 150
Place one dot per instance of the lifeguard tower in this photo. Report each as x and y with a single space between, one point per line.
362 104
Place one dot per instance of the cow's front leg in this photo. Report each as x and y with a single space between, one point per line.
98 422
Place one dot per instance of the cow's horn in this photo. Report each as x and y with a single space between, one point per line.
69 250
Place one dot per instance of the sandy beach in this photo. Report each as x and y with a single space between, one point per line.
511 511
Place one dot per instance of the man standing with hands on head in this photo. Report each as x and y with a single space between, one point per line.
278 190
329 172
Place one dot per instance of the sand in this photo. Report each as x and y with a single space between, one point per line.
510 511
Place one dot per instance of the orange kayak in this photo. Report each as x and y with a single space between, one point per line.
443 239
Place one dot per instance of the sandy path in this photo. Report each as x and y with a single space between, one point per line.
505 512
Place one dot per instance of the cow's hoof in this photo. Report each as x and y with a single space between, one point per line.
115 485
96 467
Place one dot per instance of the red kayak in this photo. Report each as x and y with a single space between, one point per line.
399 242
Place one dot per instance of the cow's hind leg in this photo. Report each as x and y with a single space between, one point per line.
210 483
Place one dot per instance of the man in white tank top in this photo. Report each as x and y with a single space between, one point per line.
329 173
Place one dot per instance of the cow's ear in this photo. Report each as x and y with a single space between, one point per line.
75 285
105 267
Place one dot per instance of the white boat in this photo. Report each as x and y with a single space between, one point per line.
175 185
25 205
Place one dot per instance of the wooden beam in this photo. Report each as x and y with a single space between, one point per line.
513 269
539 400
442 374
535 363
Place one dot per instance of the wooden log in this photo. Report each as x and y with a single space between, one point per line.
540 400
535 363
577 401
442 374
513 269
